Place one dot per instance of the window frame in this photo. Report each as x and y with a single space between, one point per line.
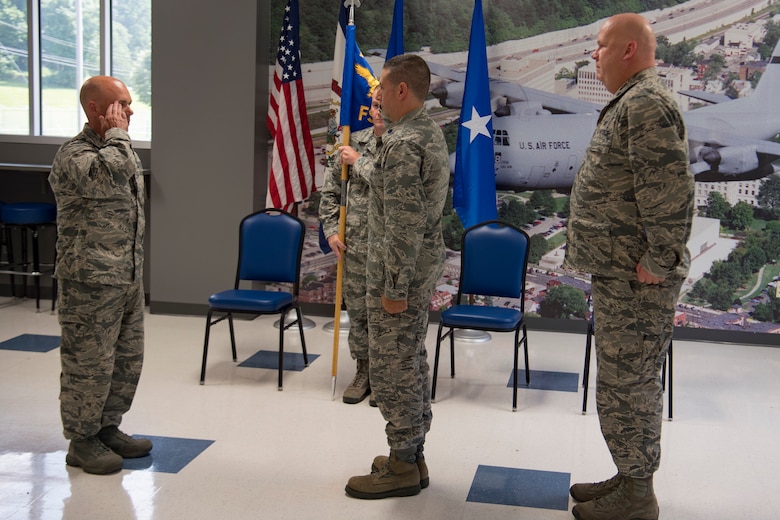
34 71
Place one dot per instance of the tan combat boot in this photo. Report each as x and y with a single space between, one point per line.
585 492
92 456
359 388
381 460
124 445
633 499
395 479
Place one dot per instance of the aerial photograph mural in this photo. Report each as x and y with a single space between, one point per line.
720 58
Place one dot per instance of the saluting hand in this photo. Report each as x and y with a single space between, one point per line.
115 117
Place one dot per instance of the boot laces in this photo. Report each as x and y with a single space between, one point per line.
97 445
618 499
119 434
360 379
606 484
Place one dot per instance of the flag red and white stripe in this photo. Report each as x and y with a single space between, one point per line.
291 178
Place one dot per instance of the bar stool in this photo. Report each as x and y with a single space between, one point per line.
24 217
4 245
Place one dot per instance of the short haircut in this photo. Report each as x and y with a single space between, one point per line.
412 70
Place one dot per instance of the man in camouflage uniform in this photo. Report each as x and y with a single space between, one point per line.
631 210
361 157
405 260
97 181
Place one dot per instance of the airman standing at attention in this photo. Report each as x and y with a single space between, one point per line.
405 261
631 211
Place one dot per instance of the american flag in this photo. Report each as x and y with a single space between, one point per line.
291 178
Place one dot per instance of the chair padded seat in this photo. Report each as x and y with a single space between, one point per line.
28 213
249 300
481 317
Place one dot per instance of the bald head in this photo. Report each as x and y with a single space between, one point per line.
97 94
626 45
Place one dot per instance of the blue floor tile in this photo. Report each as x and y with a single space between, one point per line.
31 343
169 454
544 380
520 487
270 359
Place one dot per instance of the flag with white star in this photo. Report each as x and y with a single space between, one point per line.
474 191
291 178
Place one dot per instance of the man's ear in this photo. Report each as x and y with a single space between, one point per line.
92 107
403 90
631 48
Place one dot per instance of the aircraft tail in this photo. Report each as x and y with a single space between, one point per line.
765 95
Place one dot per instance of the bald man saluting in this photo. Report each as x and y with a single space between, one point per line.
98 184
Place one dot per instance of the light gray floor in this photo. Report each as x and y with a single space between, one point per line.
289 454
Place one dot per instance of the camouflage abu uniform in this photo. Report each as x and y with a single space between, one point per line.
632 203
405 260
356 235
99 189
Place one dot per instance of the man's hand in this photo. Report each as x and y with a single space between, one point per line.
348 155
645 277
336 244
115 117
394 306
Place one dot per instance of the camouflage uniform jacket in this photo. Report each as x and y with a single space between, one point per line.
99 189
632 200
408 190
356 237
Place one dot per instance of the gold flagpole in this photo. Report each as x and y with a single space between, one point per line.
342 233
340 266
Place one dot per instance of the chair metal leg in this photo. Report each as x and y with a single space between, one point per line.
669 357
303 338
436 362
514 372
282 328
232 337
205 348
525 350
586 368
452 353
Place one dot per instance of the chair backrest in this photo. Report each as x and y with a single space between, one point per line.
270 247
494 259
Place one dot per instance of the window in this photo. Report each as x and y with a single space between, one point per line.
501 137
69 41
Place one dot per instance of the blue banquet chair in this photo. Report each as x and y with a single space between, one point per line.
494 259
269 250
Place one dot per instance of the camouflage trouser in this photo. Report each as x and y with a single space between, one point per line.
354 288
101 353
399 372
633 327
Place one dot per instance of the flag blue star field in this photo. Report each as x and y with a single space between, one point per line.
291 178
474 192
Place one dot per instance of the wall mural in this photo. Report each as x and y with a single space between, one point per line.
718 56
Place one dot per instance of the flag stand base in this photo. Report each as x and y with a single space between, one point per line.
472 336
343 323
